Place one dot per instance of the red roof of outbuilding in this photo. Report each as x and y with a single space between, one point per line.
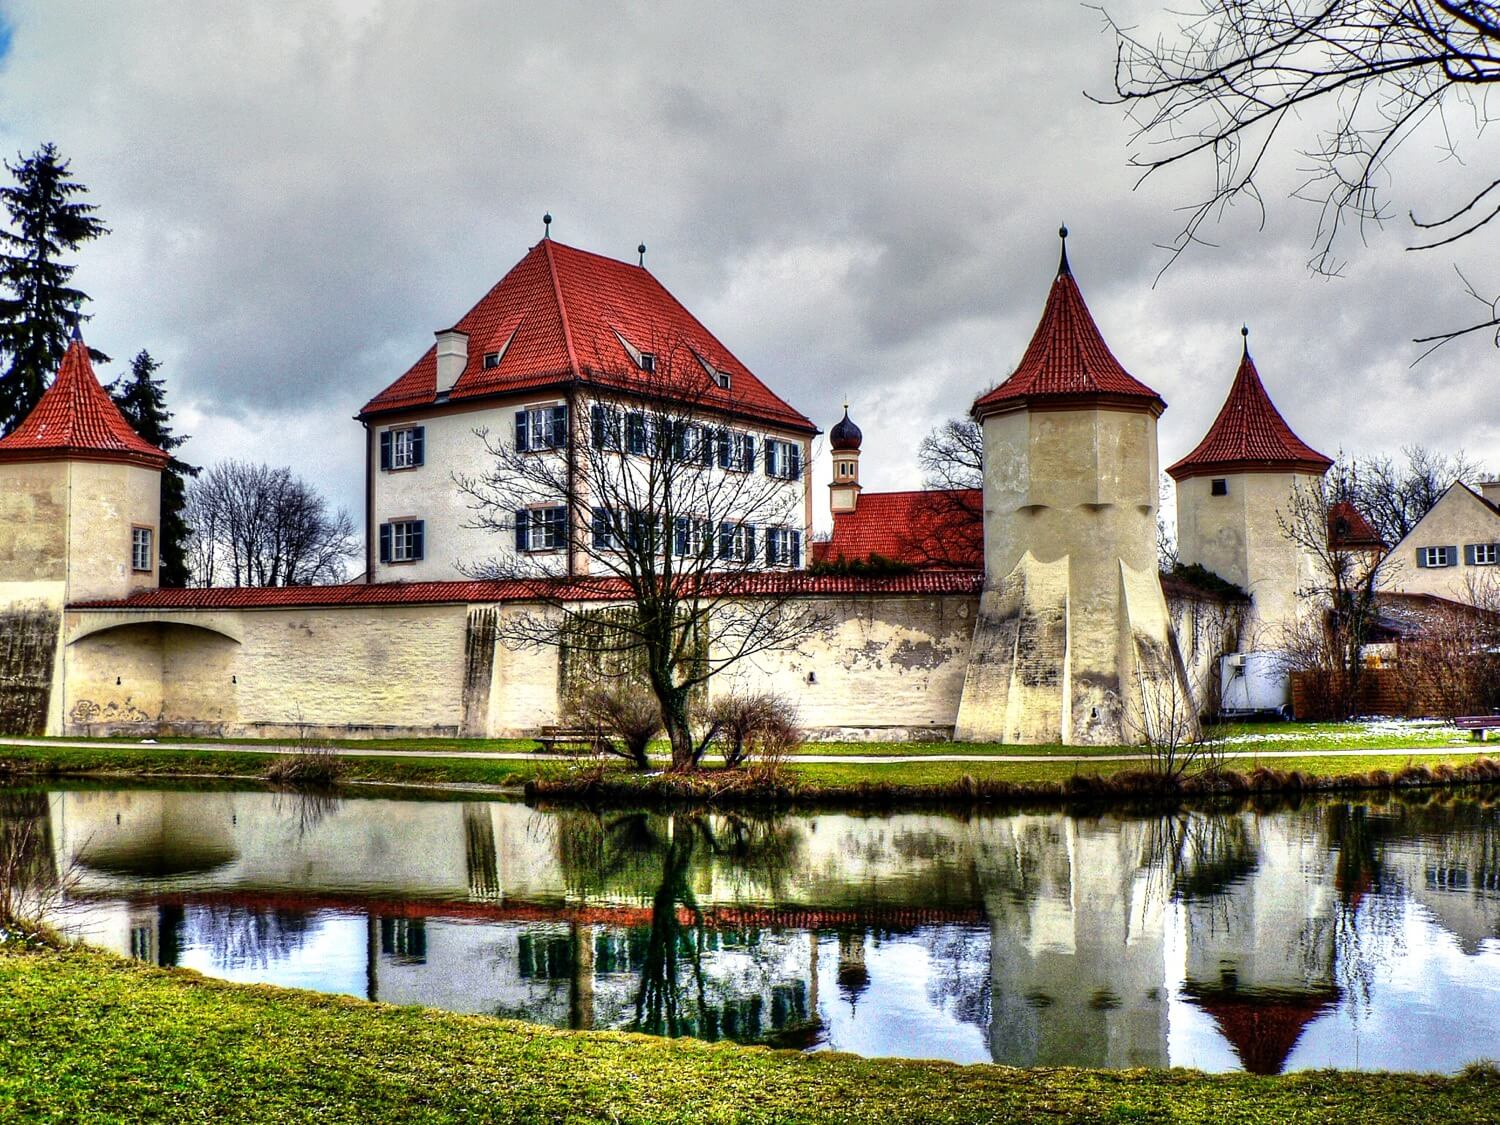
1249 434
1068 360
76 419
1348 527
935 528
558 315
769 583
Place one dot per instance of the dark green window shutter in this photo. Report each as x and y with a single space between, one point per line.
418 444
1450 555
418 537
385 449
559 430
385 542
521 432
523 528
1469 554
796 548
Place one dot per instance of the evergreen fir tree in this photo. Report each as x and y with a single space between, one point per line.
38 308
143 400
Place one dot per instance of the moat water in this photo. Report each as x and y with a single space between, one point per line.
1327 935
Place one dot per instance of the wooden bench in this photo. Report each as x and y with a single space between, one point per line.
581 739
1477 725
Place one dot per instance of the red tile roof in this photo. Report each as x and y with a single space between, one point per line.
935 528
770 583
555 316
1067 361
1249 434
1263 1029
1347 527
76 419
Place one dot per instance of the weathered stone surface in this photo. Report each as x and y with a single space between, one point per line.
28 649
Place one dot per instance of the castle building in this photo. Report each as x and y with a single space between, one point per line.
570 350
1232 491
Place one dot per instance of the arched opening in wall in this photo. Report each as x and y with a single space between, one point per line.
150 678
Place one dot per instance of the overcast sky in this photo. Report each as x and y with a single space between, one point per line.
860 200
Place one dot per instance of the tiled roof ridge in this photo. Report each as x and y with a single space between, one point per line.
1248 433
76 418
562 306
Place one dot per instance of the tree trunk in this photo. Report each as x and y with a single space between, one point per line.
674 716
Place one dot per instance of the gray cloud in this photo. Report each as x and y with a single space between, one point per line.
860 200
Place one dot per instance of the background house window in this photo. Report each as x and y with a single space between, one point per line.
403 448
1218 486
140 549
541 529
691 537
734 451
648 361
542 427
736 542
783 547
783 459
1482 554
722 378
637 432
604 426
491 359
401 541
1437 556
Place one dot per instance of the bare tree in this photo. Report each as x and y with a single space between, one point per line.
258 526
1165 714
947 529
1395 493
1363 76
1340 591
649 487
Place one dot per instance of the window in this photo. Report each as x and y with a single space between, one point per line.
140 549
783 547
605 525
691 537
1482 554
648 361
691 442
721 378
542 427
402 449
404 939
1218 486
491 359
846 469
1437 556
737 542
734 451
141 944
637 432
604 426
783 459
401 541
541 529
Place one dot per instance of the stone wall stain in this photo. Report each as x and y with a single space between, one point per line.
28 648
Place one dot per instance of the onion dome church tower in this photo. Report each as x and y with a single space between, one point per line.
1230 489
1073 643
845 439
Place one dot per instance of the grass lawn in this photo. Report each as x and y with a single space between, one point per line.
89 1037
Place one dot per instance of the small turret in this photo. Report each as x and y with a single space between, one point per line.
844 439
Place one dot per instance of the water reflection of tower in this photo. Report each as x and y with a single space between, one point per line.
1260 948
853 976
1078 958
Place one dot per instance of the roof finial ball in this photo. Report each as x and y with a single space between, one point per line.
1062 265
641 250
547 225
1245 332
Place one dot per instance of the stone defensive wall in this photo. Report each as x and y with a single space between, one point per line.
446 659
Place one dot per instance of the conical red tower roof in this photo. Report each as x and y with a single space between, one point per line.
1068 361
1263 1029
1249 434
75 419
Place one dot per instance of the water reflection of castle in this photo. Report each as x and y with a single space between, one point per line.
1034 940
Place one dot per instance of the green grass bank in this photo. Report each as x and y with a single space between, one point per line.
89 1037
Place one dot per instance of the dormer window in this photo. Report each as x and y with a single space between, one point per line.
721 378
648 362
491 360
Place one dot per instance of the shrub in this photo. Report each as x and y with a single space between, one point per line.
313 766
756 729
620 720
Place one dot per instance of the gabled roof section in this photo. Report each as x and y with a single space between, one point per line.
571 310
75 419
932 529
1249 434
1067 361
1349 529
1456 493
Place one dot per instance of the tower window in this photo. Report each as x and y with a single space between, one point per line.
140 549
1218 487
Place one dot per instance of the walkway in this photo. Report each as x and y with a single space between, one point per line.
800 759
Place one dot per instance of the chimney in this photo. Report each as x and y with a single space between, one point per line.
452 358
1490 490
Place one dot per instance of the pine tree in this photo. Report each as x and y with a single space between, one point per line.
142 398
38 308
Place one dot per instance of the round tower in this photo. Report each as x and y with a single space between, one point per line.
1073 642
80 496
844 440
1230 489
